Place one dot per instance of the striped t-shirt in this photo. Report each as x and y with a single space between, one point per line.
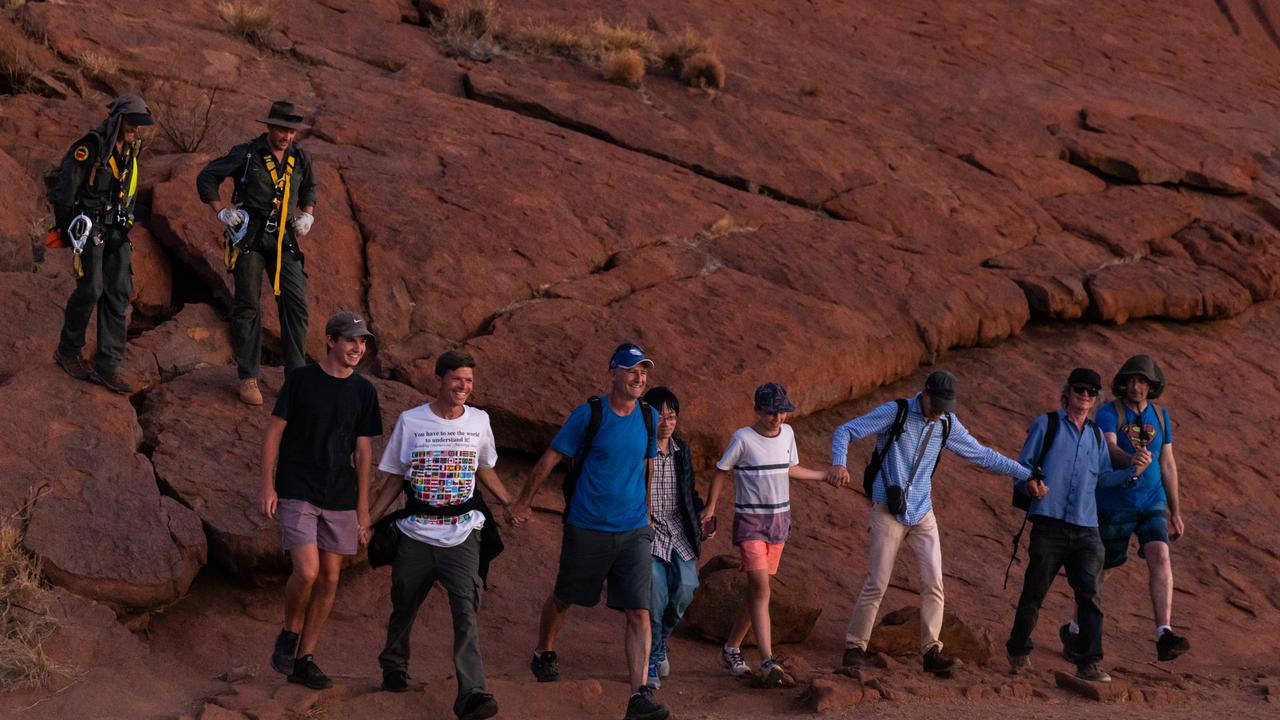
762 486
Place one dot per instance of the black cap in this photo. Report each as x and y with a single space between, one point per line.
772 398
941 386
1085 376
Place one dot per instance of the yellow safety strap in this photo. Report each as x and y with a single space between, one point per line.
283 206
130 188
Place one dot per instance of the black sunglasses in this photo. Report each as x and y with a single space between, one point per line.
1084 390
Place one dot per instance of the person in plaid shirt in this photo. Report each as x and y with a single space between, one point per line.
673 509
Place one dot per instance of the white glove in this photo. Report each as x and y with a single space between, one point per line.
302 223
231 217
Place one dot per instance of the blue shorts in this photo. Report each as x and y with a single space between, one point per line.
1116 526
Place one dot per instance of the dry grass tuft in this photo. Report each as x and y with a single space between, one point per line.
11 4
676 50
608 38
703 70
24 623
551 40
16 69
469 30
624 67
252 20
97 65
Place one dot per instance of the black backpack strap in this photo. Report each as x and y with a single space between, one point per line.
946 433
649 439
877 456
575 469
1021 500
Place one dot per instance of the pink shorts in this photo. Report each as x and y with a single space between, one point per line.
760 555
333 531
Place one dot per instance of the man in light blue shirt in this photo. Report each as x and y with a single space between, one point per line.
910 456
1065 520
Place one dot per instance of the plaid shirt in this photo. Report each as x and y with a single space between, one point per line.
664 507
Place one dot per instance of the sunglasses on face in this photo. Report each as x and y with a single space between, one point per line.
1084 390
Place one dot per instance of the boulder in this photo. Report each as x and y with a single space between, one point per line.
793 606
195 337
899 634
208 449
1116 691
1125 218
833 693
152 274
1171 288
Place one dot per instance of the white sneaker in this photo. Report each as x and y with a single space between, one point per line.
732 659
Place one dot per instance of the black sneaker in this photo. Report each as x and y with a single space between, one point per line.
1092 673
73 365
857 657
112 381
395 680
282 655
545 667
935 661
479 705
1170 646
1070 641
642 707
306 673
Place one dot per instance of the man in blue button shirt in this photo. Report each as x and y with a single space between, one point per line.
1065 521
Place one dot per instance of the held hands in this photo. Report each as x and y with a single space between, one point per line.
302 223
230 216
838 476
363 524
518 513
1037 488
1141 459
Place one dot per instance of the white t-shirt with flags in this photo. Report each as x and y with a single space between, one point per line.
438 458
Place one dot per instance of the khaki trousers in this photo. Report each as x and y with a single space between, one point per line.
887 535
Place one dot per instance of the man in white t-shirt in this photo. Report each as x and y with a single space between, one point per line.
437 451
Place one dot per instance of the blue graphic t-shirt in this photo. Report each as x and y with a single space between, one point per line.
1148 492
610 495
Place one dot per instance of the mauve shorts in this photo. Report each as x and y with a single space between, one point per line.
301 523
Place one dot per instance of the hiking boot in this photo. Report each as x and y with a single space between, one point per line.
857 657
249 392
935 661
544 666
772 674
73 365
479 705
642 707
1019 664
732 659
112 381
282 655
1092 673
1170 646
1070 641
306 673
395 681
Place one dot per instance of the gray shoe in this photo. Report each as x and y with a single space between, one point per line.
1092 673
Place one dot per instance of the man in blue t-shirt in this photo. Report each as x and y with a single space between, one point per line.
606 520
1150 509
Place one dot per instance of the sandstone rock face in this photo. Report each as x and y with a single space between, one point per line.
208 453
19 215
152 274
793 609
898 633
194 338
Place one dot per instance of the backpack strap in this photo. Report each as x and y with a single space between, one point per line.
946 433
878 455
649 439
575 469
1021 500
1161 421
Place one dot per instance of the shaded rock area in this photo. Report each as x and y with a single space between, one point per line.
898 633
722 591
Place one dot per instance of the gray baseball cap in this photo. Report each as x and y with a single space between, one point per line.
941 386
348 325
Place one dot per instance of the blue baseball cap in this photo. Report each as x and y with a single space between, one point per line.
627 356
772 398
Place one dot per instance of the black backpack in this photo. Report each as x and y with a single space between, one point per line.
895 430
596 404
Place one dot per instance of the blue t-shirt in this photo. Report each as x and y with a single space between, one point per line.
1148 492
610 495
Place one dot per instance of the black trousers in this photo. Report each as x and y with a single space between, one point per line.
106 286
246 315
1054 545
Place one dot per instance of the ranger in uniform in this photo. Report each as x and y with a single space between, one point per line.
93 197
271 207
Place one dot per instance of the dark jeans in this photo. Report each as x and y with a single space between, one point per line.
417 566
246 318
1056 544
106 286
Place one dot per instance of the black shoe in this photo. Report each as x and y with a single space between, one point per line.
282 655
544 666
1070 641
1170 646
73 365
642 707
936 662
395 681
112 381
306 673
857 657
479 705
1092 673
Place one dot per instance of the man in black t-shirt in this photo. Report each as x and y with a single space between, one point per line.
320 432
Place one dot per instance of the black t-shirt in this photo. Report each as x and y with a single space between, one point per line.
325 415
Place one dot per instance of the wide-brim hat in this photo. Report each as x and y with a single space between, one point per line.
282 114
1142 366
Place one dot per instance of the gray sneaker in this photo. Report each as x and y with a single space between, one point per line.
1092 673
732 659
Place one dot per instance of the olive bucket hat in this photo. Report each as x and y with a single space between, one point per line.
1143 366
